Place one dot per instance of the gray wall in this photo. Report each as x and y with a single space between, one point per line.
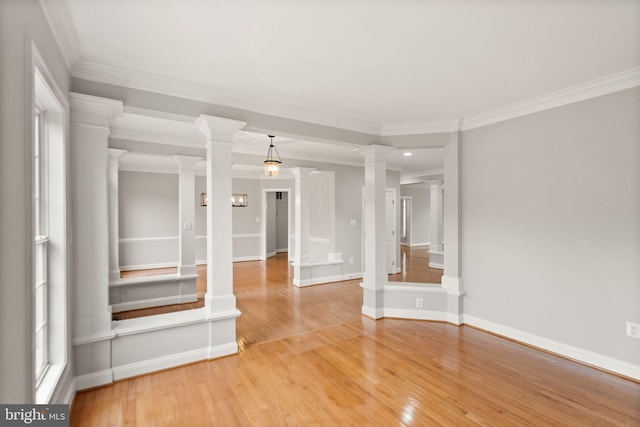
420 211
148 214
246 230
551 223
148 204
19 20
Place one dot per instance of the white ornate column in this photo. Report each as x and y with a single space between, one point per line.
301 213
89 160
375 272
436 226
218 131
187 214
114 228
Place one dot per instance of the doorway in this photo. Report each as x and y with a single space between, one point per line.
276 222
405 221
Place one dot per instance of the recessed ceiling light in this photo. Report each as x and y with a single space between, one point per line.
408 154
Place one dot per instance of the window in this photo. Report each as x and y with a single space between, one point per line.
50 287
41 240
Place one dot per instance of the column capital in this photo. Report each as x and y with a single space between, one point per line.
218 129
94 110
300 172
115 154
187 163
375 153
435 185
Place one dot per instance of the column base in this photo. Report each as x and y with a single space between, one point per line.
453 285
187 269
220 304
114 275
373 303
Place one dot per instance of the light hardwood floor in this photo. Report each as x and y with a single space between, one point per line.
414 262
308 357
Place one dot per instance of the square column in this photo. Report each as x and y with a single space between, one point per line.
187 214
218 131
375 272
452 277
114 224
90 118
436 226
301 213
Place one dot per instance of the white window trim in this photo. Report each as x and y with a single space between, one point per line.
45 95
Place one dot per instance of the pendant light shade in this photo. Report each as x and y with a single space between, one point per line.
272 164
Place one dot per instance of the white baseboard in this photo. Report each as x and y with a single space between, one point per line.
153 302
436 265
585 356
456 319
271 254
413 245
282 250
247 258
66 389
372 312
148 266
223 350
408 313
159 363
93 379
327 279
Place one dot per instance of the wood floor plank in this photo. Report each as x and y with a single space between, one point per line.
307 357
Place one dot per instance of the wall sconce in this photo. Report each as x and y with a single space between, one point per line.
239 200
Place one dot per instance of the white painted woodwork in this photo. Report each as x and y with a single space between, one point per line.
301 223
218 132
114 229
375 275
390 229
186 214
89 138
436 225
152 291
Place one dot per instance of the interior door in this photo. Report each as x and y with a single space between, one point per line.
390 229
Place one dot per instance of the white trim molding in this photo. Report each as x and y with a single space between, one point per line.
93 379
414 128
59 19
173 87
585 356
119 76
152 365
591 89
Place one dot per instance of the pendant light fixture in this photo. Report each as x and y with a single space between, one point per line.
272 164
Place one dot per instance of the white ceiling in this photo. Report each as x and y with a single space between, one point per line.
369 64
382 62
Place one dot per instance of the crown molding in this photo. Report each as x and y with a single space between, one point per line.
94 110
119 76
59 19
156 138
415 128
591 89
91 70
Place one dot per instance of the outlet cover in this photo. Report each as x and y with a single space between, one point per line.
419 303
633 330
